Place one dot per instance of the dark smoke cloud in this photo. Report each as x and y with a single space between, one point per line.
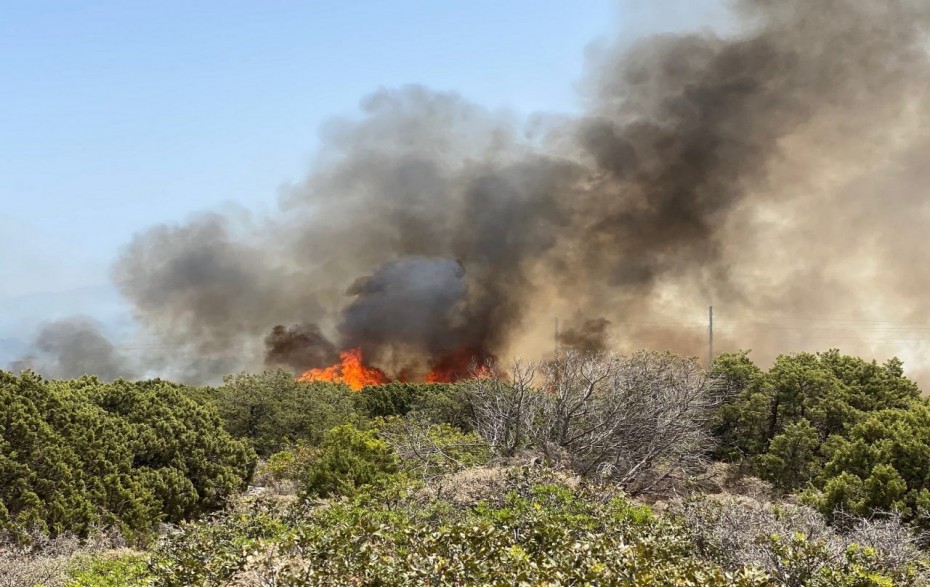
410 302
589 336
70 348
299 347
773 171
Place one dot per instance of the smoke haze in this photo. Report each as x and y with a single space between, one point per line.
778 171
73 347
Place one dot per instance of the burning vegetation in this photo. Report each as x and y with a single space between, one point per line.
352 370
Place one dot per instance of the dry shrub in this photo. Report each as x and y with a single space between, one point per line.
731 479
895 544
794 544
469 486
35 559
640 420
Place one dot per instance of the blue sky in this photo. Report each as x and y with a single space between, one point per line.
118 115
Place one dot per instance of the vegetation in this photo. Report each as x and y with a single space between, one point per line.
636 420
525 477
79 454
853 435
273 411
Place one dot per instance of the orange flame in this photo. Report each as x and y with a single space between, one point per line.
350 370
465 363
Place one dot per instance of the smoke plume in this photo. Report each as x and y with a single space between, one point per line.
589 336
775 171
74 347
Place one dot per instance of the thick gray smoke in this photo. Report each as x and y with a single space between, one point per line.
300 347
778 170
75 347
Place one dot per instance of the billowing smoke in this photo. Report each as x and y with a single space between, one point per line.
300 347
589 336
74 347
775 171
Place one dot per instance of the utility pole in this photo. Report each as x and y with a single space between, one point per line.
556 338
710 336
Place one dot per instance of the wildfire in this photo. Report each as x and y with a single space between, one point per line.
350 370
461 364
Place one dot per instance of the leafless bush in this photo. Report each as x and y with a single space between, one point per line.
895 544
793 543
740 532
503 406
634 419
430 451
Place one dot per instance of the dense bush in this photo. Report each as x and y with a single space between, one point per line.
81 453
274 411
533 533
882 464
427 451
779 422
530 527
349 459
796 547
439 403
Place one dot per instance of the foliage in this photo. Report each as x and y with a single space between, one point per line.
535 530
533 533
110 571
782 420
214 551
881 465
274 411
50 562
438 403
428 451
349 459
78 454
287 465
792 457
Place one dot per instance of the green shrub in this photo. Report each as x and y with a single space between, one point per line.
284 469
79 454
349 459
528 534
120 571
274 411
431 450
881 465
783 419
438 403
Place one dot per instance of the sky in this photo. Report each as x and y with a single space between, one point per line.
115 116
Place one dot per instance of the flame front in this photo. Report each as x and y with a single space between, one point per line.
350 370
464 363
